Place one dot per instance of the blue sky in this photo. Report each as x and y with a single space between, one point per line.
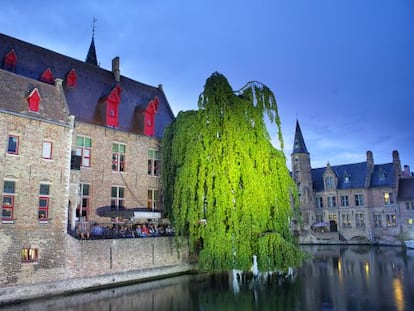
344 68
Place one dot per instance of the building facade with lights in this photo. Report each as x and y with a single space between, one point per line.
353 203
76 140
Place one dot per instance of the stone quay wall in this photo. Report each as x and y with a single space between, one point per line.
94 264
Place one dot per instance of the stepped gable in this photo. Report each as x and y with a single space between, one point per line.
92 85
15 90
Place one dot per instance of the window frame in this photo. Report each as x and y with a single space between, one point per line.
47 155
85 152
319 202
344 200
118 157
15 150
331 201
29 254
43 209
359 199
11 206
388 198
154 162
84 196
153 199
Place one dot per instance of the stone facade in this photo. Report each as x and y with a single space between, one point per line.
351 203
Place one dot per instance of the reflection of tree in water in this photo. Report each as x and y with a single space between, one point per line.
274 295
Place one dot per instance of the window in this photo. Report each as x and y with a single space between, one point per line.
388 200
83 149
359 200
360 220
71 79
34 100
329 183
153 197
331 202
82 210
410 221
377 220
44 193
47 150
29 254
8 200
319 202
344 201
13 145
47 76
154 159
118 157
10 61
391 220
346 220
149 117
409 205
117 198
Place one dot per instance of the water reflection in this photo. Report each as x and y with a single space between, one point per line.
333 278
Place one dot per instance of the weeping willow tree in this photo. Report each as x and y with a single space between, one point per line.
226 187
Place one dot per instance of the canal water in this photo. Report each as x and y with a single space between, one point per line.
332 278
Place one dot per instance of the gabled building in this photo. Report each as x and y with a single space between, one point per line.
76 140
357 201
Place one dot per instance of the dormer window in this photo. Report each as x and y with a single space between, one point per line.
33 100
9 62
346 177
381 174
112 103
329 183
47 76
149 117
71 79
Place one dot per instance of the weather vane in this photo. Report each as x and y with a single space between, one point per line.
93 26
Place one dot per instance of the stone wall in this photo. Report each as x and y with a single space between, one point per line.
97 264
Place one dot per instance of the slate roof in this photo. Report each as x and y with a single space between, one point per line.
93 83
406 189
299 145
357 174
15 89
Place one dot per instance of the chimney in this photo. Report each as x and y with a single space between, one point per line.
370 159
115 69
406 171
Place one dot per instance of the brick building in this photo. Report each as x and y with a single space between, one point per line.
75 140
354 202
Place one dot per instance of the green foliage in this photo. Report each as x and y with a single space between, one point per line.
226 187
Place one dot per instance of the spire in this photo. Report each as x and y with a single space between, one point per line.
91 57
299 143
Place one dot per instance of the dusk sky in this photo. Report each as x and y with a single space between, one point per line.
343 68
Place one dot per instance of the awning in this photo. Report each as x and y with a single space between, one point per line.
320 224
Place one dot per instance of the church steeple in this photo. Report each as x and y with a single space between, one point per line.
91 57
299 143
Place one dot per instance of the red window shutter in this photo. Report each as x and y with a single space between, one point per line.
47 76
34 100
149 117
10 61
71 79
112 103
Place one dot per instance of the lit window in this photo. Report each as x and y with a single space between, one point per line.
8 200
29 254
44 193
82 209
388 200
154 165
118 157
153 199
47 150
359 199
83 149
410 221
13 145
391 220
